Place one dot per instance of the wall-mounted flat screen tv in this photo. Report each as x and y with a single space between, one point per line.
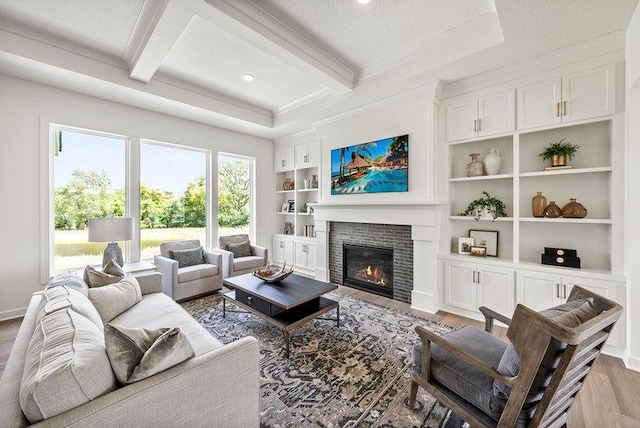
373 167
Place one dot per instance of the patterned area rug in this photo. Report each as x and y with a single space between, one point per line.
354 375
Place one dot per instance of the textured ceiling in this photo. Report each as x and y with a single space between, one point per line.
102 25
215 59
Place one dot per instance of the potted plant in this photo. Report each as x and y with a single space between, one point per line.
486 206
559 151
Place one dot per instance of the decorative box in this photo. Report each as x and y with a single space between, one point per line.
563 252
556 260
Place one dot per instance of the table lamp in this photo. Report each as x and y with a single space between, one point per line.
111 230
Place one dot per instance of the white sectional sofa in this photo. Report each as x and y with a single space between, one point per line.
220 386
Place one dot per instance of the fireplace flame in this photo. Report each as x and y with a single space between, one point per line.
372 274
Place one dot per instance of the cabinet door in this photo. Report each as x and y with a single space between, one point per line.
539 104
496 289
460 290
314 154
283 159
300 255
496 114
538 291
461 121
312 256
288 251
278 250
588 94
302 155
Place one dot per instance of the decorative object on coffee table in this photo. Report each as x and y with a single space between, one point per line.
492 162
288 184
111 230
538 204
485 238
558 152
475 167
574 210
552 210
486 207
272 273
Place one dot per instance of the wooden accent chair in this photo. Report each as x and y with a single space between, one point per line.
531 382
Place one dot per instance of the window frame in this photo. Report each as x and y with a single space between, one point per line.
252 190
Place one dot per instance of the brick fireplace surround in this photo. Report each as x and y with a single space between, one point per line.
421 224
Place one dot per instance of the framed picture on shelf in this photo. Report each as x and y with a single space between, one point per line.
487 239
291 205
478 251
285 207
464 245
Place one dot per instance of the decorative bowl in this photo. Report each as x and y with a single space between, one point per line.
272 273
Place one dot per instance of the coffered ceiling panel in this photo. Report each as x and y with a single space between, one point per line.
102 25
215 59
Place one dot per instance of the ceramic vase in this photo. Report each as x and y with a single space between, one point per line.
552 210
574 210
474 168
314 181
305 183
538 204
492 162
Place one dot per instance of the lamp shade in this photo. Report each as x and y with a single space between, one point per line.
110 229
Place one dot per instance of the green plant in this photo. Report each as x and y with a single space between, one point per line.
560 148
495 206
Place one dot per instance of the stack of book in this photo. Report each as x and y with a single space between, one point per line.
310 231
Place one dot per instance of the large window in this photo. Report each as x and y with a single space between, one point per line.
235 195
89 181
173 196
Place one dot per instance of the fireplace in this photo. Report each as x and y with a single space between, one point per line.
368 268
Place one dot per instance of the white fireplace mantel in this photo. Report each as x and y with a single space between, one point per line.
424 219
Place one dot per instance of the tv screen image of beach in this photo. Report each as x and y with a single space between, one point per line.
373 167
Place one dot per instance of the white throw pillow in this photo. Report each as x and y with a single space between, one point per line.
112 300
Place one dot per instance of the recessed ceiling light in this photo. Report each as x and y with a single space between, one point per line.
248 77
363 1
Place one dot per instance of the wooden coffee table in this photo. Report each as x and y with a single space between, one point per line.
287 305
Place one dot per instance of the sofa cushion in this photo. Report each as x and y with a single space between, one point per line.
189 257
110 274
112 300
66 365
191 273
63 297
145 315
241 249
69 279
137 353
250 262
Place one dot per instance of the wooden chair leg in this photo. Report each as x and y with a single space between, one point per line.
414 393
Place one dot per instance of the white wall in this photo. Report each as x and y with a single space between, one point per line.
23 104
632 186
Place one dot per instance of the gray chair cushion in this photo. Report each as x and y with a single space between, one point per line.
189 257
224 241
250 262
243 249
460 377
191 273
189 244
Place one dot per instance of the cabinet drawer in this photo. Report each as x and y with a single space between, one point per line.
258 304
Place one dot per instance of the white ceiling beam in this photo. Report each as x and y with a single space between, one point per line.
244 19
167 25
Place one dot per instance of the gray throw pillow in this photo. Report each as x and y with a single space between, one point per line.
137 353
113 299
188 257
242 249
110 274
570 314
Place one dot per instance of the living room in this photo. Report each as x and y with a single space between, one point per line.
289 85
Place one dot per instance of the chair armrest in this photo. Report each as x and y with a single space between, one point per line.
150 282
182 395
427 337
260 252
490 315
169 270
227 261
214 258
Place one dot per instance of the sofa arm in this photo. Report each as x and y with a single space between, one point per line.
227 261
150 282
213 258
260 252
169 270
218 388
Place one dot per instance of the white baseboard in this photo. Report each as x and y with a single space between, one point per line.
12 314
424 301
632 363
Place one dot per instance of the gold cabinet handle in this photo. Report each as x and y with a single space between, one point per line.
564 108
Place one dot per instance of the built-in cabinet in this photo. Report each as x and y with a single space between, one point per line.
582 95
283 159
489 115
307 155
305 254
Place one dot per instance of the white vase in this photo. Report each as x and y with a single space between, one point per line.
492 162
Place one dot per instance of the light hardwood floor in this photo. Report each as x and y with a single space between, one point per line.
609 398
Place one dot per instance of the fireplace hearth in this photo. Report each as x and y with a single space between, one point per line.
368 268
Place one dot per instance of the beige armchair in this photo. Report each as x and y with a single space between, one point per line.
200 273
233 265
